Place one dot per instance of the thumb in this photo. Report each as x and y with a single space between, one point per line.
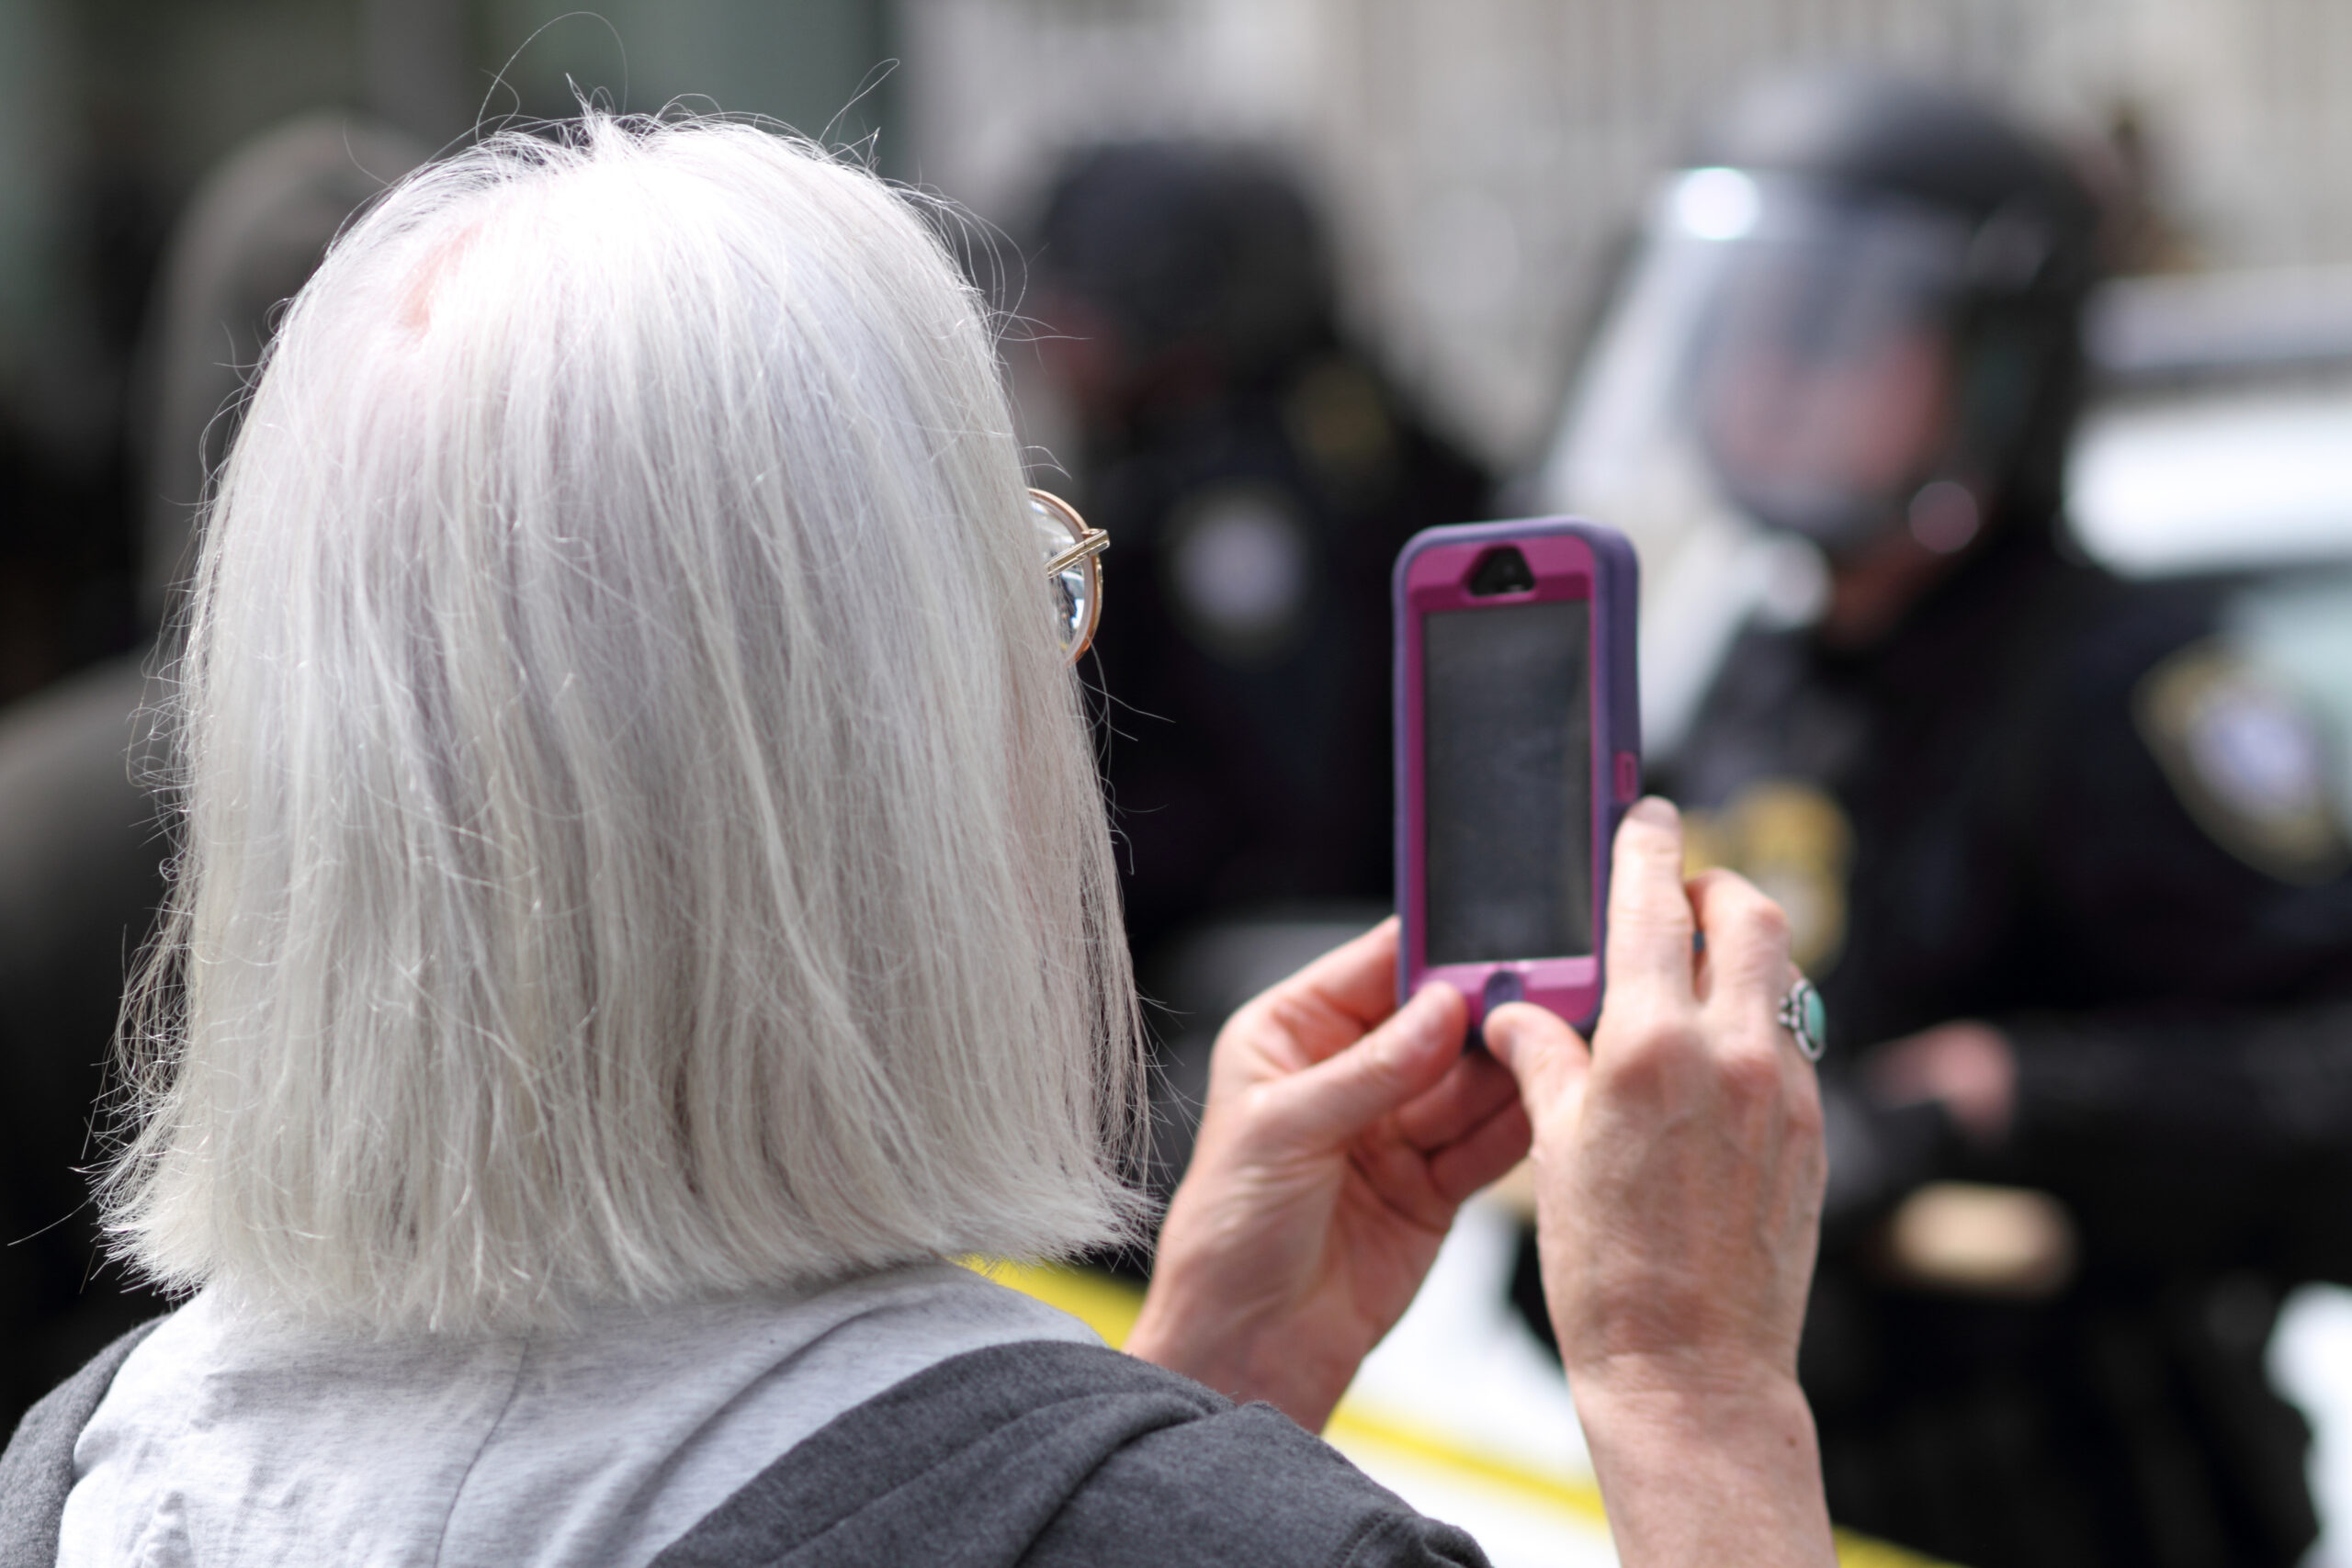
1549 1060
1338 1099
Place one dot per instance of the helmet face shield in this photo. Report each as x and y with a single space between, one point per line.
1802 350
1820 374
1854 322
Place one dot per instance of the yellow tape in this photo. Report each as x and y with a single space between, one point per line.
1351 1425
1105 1304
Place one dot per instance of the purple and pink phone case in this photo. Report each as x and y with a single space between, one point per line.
1570 559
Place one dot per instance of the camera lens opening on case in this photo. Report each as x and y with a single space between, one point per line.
1503 570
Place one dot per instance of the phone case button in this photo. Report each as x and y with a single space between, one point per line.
1502 986
1629 778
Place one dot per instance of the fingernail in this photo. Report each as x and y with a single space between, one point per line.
1498 1030
1656 810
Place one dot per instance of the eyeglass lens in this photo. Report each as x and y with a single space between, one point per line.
1076 585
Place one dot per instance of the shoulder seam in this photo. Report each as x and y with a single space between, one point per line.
457 1493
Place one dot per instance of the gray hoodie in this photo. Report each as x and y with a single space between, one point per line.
1052 1454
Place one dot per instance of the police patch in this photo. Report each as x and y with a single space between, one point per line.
2248 759
1792 840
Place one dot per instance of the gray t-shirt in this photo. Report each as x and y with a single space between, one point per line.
228 1437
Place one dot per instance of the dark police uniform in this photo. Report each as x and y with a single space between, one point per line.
2063 805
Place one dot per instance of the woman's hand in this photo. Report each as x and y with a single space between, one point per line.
1679 1172
1340 1136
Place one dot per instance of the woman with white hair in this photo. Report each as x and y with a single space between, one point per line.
647 905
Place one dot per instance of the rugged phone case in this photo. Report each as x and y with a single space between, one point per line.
1569 559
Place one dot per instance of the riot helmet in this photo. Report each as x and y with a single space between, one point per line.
1854 310
1194 257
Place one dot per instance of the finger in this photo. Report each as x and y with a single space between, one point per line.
1650 923
1548 1058
1427 1186
1483 1158
1747 943
1334 999
1473 1089
1340 1099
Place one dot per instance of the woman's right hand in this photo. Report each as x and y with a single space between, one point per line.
1679 1171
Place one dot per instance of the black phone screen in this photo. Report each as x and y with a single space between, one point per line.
1507 782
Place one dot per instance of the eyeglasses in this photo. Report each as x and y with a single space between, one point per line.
1074 567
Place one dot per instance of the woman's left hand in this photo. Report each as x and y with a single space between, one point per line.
1340 1136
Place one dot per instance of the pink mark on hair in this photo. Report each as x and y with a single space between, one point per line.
416 304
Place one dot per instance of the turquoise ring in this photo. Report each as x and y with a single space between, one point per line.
1804 1015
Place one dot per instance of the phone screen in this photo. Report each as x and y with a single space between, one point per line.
1506 780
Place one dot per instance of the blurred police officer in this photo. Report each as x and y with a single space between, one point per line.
1256 477
82 839
2065 858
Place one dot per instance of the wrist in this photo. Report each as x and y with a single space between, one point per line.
1169 1336
1239 1352
1661 1434
1680 1395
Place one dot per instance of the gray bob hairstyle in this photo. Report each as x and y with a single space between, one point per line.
642 840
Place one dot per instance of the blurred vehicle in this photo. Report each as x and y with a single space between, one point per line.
2057 808
2220 447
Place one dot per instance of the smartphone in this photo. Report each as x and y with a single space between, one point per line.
1519 747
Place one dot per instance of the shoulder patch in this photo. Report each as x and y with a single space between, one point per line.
2248 761
1792 840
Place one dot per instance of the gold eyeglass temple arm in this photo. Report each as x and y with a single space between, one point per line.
1093 542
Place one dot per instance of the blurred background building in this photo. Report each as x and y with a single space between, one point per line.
1479 159
1482 157
111 111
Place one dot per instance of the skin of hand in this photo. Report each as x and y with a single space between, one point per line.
1341 1134
1967 1064
1679 1173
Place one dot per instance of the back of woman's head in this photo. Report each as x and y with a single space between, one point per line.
641 838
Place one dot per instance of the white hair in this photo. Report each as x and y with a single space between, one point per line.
642 840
